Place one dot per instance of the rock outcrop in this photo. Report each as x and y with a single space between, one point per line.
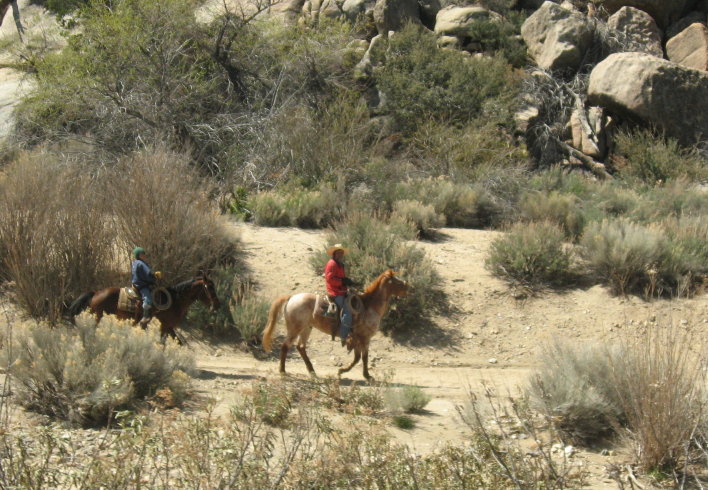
664 12
690 48
460 21
557 38
653 90
638 29
392 15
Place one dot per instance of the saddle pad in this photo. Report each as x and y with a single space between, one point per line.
127 300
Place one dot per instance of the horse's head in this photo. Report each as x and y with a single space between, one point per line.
206 292
394 286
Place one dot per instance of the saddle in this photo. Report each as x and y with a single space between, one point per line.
129 299
327 308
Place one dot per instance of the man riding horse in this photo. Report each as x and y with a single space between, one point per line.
143 282
337 282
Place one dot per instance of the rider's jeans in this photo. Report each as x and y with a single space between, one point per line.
346 325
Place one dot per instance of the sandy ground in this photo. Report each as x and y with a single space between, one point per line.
491 338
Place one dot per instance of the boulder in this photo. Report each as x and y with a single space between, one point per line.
354 8
664 12
690 48
428 12
653 90
557 38
678 26
374 56
392 15
460 21
638 29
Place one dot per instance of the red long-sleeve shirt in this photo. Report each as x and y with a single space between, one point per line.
334 273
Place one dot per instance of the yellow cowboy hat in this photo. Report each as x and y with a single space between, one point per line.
335 247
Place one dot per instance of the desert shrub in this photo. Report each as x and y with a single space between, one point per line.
272 403
663 376
641 155
87 373
463 205
56 239
422 216
374 248
530 254
249 314
676 199
403 422
160 203
501 35
563 182
296 206
561 209
622 253
409 399
420 81
684 265
574 388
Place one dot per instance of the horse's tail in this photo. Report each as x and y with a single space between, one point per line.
272 320
81 303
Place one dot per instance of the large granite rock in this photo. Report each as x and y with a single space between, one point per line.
664 12
690 48
638 29
459 21
656 91
557 38
392 15
681 24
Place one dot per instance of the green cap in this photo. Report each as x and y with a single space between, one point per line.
137 251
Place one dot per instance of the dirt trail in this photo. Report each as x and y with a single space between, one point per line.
491 338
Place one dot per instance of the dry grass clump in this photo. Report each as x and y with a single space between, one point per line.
88 373
650 389
530 254
56 240
159 203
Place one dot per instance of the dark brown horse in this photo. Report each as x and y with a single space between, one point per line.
184 294
300 317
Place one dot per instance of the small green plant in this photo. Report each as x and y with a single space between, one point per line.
88 373
530 254
409 399
404 422
271 403
562 209
249 314
622 253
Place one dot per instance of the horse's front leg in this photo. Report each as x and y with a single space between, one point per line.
357 356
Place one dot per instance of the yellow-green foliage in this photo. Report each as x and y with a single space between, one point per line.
422 216
87 373
562 209
297 207
531 254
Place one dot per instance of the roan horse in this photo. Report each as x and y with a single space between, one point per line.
300 317
184 294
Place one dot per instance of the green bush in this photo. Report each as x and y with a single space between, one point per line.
409 399
88 373
641 155
561 209
419 81
249 314
677 199
622 253
531 254
575 388
684 265
422 216
375 247
294 206
463 205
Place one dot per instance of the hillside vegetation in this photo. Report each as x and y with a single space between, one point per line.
154 126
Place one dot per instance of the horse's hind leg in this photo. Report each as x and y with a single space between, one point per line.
357 356
365 361
284 352
302 343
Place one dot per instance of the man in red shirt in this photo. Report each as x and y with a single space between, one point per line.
337 282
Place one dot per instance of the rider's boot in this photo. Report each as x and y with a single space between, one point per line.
147 316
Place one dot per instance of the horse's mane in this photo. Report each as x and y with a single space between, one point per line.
183 286
377 282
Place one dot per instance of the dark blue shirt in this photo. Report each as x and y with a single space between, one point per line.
142 274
